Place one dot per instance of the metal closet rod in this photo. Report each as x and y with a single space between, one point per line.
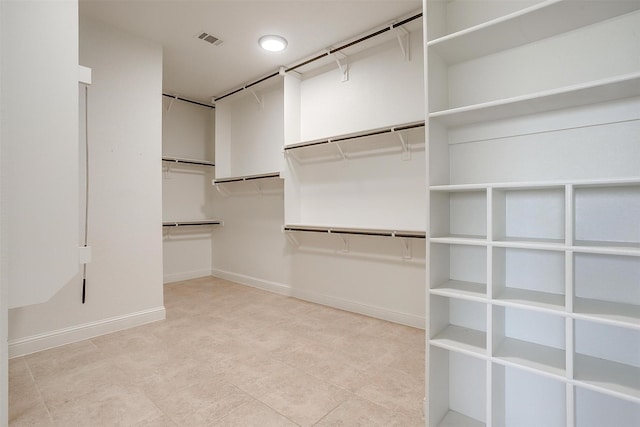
328 53
188 100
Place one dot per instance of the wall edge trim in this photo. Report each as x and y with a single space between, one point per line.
35 343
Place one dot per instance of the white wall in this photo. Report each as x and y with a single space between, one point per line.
4 307
187 132
124 279
372 278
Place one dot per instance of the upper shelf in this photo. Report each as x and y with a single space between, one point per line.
610 89
191 223
357 135
537 22
356 231
187 161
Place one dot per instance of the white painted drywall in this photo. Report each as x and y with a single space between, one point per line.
40 122
187 132
124 279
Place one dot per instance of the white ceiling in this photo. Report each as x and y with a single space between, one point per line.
197 70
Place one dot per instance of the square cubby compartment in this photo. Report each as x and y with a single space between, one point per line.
607 358
458 270
607 216
457 385
607 287
461 214
529 277
529 214
595 409
529 339
458 324
524 399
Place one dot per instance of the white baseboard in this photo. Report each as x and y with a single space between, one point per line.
254 282
178 277
35 343
353 306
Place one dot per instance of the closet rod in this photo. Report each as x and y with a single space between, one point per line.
190 223
188 161
188 100
323 55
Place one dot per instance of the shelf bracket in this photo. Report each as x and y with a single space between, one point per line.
259 99
337 144
341 60
257 186
406 148
291 238
171 103
406 248
221 191
404 40
345 243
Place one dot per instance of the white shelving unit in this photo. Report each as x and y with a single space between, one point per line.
358 129
250 131
534 213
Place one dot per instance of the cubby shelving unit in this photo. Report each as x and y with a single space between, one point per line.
533 241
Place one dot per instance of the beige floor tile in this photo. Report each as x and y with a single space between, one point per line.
228 355
112 405
201 404
50 363
395 390
300 397
360 412
254 413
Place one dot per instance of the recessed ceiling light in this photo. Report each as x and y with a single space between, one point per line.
273 43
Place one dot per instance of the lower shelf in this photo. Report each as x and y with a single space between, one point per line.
609 377
458 338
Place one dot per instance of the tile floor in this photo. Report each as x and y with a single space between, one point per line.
228 355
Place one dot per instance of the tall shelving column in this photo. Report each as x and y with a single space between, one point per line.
533 277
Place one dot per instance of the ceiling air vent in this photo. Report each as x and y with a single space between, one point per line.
209 38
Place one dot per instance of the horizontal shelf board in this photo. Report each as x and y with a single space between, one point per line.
456 419
572 96
538 185
607 375
357 135
461 339
461 240
461 289
533 356
191 223
246 178
611 312
612 248
534 23
527 298
540 244
355 231
187 161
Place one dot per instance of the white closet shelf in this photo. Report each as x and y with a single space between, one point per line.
355 231
608 377
461 240
540 185
532 356
460 339
599 91
191 223
606 248
462 290
246 178
187 161
357 135
537 22
524 298
617 314
530 243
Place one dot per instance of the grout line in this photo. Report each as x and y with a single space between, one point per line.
44 403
